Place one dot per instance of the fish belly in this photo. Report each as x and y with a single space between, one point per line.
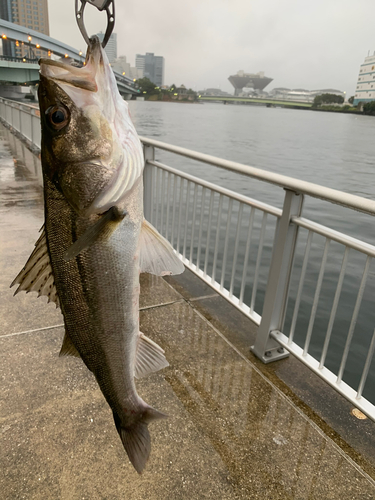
99 296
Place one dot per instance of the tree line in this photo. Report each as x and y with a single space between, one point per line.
327 99
329 102
148 89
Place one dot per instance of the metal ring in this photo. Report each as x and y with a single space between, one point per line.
108 6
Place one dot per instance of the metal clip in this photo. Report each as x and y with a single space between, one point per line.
108 6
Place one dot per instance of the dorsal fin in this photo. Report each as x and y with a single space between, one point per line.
36 275
156 253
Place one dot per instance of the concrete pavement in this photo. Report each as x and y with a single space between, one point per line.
232 433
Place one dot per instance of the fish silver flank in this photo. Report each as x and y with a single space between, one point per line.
95 240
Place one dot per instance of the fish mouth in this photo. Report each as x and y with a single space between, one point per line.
83 78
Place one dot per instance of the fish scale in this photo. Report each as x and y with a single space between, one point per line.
106 322
95 241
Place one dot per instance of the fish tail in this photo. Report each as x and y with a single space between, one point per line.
136 437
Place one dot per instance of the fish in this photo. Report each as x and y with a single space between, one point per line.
95 241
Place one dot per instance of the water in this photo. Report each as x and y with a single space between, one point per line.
330 149
334 150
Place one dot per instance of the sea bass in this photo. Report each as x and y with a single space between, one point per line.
95 240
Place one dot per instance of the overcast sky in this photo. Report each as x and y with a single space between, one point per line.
311 44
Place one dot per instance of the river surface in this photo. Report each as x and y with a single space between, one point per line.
334 150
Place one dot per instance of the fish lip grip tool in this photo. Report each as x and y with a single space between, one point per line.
107 5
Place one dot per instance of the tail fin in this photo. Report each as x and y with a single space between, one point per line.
136 438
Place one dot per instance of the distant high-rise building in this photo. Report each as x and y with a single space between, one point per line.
365 90
6 13
32 14
136 73
140 62
121 66
152 67
111 48
6 10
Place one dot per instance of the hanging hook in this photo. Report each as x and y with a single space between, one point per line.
108 6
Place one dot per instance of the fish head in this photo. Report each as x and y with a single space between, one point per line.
90 149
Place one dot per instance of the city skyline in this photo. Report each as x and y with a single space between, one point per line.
31 14
300 45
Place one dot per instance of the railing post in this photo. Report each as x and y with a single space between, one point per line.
265 347
149 155
32 127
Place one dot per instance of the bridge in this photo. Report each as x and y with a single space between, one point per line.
256 100
26 70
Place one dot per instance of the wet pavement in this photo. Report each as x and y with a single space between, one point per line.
234 430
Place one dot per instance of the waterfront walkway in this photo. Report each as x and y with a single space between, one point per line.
237 429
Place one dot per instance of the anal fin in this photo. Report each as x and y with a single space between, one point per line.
149 358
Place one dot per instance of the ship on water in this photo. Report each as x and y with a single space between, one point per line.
256 81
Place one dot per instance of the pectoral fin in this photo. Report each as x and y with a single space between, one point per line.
150 357
36 275
156 253
99 229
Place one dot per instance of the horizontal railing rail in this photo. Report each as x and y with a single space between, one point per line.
315 190
33 60
218 189
309 288
350 242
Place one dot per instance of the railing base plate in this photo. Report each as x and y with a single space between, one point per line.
271 355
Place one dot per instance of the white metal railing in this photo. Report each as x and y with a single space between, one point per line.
24 119
263 260
247 252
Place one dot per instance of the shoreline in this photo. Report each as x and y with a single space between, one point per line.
340 110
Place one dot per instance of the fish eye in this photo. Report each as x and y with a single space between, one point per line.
58 116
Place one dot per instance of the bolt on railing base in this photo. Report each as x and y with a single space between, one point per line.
273 352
